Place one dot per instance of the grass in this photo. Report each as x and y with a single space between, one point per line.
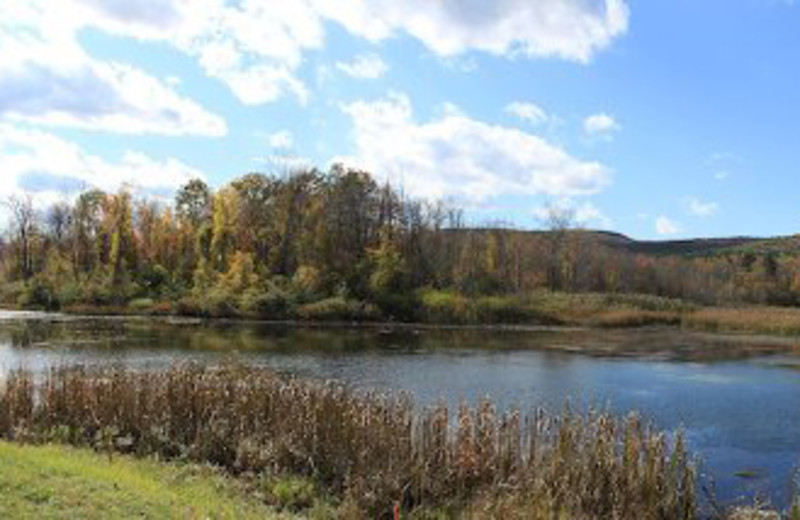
553 308
62 482
753 320
368 452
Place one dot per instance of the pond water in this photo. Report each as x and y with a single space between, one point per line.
741 416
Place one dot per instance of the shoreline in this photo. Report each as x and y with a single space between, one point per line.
656 342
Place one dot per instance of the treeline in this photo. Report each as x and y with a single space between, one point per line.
336 245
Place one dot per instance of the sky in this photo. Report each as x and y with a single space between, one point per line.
660 119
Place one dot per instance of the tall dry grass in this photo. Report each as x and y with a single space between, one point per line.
754 320
371 451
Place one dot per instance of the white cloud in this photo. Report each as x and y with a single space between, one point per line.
723 157
699 208
256 47
281 140
47 165
364 66
456 156
600 124
568 29
588 215
47 78
666 226
585 215
527 112
723 164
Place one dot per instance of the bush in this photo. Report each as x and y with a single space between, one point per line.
292 493
337 308
450 307
39 295
190 306
508 309
10 292
156 281
444 306
221 304
306 283
274 303
141 304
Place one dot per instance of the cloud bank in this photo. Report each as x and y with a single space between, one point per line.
456 156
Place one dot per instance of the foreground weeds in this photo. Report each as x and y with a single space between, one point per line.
369 451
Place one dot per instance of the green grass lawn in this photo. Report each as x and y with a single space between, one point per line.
41 482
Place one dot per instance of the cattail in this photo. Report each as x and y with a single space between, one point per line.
377 452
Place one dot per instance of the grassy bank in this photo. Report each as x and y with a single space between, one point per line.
428 306
759 320
367 452
62 482
597 310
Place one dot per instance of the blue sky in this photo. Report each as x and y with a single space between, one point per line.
656 118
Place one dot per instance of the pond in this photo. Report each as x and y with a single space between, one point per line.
740 415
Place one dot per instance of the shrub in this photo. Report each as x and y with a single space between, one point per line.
292 492
39 295
444 306
156 281
141 304
507 309
337 308
449 307
189 306
220 303
306 283
10 292
274 303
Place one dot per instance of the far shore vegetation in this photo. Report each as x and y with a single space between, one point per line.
338 246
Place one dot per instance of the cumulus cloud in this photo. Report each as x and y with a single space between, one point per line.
568 29
282 139
698 208
460 157
585 215
256 47
666 226
600 125
589 215
527 112
46 165
364 66
47 78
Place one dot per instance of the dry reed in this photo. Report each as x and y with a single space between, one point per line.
370 450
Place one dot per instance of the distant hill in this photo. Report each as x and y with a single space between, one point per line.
688 247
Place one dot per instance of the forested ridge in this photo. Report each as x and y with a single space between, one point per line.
341 245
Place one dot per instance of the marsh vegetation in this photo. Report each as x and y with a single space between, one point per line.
367 451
